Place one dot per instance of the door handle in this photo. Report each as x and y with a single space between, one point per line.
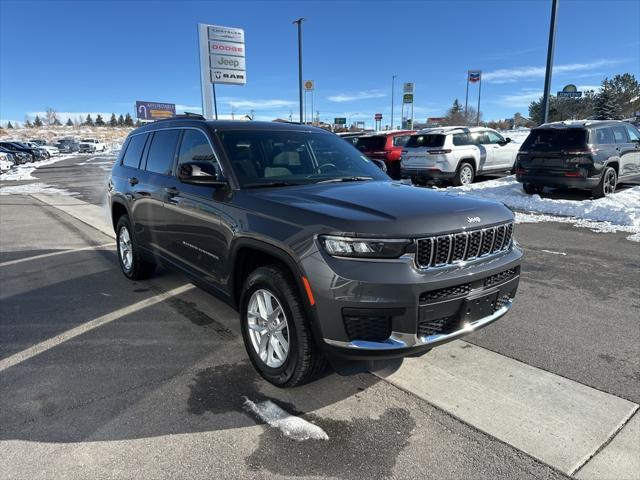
171 192
133 181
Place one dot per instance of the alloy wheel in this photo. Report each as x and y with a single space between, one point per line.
609 182
268 328
466 175
125 248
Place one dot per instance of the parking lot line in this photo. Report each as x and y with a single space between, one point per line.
53 254
90 325
554 419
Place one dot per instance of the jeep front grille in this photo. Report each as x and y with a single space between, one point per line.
444 250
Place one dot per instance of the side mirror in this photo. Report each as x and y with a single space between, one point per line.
507 140
201 173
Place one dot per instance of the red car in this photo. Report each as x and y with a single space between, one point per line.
386 146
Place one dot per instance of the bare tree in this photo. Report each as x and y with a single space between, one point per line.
51 116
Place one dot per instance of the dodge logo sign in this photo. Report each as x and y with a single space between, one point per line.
473 219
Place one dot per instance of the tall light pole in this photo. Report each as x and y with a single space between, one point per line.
299 23
547 76
393 84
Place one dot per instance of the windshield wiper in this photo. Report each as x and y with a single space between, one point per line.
346 179
271 184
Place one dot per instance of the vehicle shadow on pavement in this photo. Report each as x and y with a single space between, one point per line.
178 366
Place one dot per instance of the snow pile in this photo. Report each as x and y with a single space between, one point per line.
617 212
24 171
31 188
293 427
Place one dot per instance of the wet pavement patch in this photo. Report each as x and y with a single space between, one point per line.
223 388
359 448
198 317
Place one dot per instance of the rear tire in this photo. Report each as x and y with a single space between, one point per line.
133 266
303 360
532 189
607 184
464 175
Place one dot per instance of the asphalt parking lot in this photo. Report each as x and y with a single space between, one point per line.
105 378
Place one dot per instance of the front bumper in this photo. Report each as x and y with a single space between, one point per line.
423 308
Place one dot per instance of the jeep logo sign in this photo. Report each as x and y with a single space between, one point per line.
222 60
227 62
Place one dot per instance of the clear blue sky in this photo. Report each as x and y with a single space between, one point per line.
97 56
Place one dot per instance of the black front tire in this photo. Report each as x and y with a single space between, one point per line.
304 361
531 189
138 268
607 184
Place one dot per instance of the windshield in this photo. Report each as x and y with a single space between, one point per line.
430 140
372 143
271 157
555 139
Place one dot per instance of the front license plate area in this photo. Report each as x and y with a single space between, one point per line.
477 308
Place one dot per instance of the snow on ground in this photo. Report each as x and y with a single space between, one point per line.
24 171
31 188
619 212
293 427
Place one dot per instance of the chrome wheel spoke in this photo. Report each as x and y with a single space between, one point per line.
267 324
280 340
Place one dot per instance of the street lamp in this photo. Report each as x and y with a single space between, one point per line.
393 83
547 75
299 23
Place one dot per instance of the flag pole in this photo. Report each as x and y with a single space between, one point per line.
478 112
466 98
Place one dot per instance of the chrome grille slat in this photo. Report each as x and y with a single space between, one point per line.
443 250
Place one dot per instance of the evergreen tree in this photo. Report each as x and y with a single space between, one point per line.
89 121
626 93
113 121
128 121
69 122
37 122
27 123
605 107
57 122
121 121
99 121
9 125
455 115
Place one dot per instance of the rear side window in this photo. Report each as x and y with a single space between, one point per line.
162 151
428 140
555 139
372 143
620 134
400 140
134 151
461 139
604 136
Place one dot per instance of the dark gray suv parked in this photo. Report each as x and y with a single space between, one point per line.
320 252
587 154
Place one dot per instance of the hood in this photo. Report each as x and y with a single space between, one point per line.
377 208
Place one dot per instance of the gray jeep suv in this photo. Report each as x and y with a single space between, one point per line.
320 252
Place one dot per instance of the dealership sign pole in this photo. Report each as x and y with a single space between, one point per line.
473 76
222 60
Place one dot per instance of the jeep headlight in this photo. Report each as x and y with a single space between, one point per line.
363 247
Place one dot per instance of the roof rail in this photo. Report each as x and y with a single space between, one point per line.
184 116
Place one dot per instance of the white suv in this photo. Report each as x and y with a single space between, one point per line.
457 154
